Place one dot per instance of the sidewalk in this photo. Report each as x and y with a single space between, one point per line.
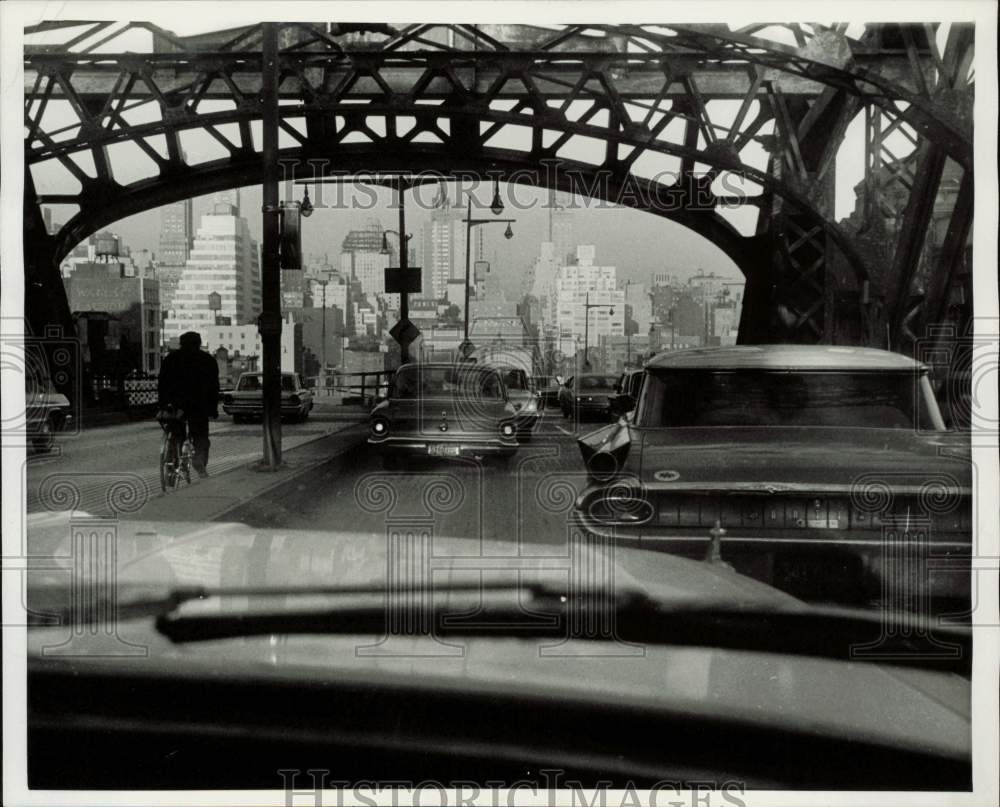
210 499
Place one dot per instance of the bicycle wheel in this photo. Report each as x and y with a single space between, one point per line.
187 452
168 463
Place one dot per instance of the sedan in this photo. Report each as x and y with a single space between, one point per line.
826 471
444 410
246 402
592 396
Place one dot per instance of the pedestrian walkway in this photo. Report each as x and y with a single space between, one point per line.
208 499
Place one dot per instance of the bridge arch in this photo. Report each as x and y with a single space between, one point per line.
371 97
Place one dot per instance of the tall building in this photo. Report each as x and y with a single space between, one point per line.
224 261
361 258
230 197
443 252
561 226
176 233
640 305
584 284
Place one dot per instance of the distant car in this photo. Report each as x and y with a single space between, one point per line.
47 413
444 410
592 396
826 469
246 401
526 401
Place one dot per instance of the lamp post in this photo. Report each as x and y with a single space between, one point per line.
628 332
404 257
322 372
586 327
497 208
400 183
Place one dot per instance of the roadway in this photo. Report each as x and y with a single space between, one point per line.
528 501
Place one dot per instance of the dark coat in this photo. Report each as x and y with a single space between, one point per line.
189 379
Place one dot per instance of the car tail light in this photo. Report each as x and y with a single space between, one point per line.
603 465
507 429
379 427
621 508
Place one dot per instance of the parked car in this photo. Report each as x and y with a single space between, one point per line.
444 410
592 394
526 401
47 412
246 401
826 471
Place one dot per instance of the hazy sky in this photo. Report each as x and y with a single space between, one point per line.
637 243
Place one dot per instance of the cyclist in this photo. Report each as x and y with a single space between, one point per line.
189 381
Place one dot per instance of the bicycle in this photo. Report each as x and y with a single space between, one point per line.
175 454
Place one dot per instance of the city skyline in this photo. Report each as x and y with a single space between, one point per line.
639 244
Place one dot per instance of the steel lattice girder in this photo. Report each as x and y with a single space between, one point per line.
637 80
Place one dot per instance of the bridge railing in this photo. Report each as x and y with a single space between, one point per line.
362 388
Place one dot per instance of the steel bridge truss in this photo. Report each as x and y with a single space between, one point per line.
733 134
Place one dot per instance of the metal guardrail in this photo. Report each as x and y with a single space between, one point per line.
370 386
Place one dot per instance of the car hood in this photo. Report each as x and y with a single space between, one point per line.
906 708
803 458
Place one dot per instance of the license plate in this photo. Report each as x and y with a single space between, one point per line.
443 450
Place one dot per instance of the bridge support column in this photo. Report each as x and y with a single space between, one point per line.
48 320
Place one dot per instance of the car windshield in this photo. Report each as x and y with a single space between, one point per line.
446 382
710 398
597 383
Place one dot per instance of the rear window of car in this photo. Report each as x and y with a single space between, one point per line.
446 382
700 398
252 383
597 382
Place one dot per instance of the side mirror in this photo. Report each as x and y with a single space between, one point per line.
624 403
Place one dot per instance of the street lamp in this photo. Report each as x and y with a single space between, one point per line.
497 205
497 208
586 327
399 183
323 283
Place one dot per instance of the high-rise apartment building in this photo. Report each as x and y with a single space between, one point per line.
579 286
561 227
223 261
443 252
176 233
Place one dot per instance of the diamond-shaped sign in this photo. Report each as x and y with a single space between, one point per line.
404 332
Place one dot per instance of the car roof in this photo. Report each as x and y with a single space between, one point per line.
260 373
460 366
784 357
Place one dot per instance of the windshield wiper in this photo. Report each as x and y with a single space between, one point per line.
543 611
